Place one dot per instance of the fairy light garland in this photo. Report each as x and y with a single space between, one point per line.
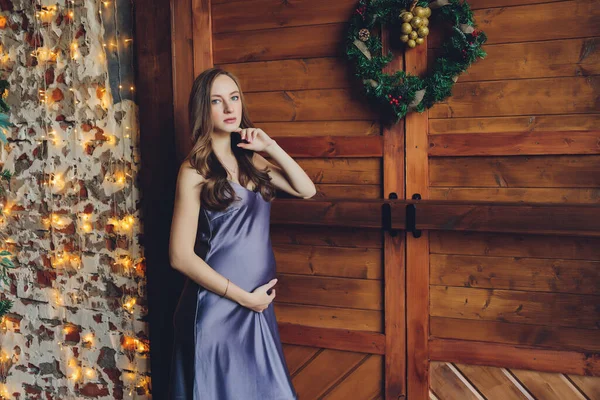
125 225
74 130
54 182
38 38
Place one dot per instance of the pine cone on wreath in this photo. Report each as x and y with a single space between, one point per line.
364 34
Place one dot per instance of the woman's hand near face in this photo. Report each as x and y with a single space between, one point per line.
257 139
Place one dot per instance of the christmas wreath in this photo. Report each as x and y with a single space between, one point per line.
400 93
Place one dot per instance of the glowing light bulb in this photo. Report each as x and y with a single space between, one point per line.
75 375
89 338
129 307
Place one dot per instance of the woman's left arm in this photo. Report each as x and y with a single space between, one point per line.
287 175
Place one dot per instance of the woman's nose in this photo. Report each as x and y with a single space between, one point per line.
227 107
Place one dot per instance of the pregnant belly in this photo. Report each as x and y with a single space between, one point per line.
247 270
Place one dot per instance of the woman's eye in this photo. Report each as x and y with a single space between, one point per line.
215 101
235 98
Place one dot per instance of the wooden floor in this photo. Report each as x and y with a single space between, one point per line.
472 382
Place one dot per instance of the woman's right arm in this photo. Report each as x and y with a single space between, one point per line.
182 257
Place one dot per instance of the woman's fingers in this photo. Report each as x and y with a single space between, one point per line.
249 134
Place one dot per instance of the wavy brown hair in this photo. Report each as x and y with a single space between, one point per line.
217 193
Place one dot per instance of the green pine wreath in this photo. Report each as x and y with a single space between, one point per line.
400 93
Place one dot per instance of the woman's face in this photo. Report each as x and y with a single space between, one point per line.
226 104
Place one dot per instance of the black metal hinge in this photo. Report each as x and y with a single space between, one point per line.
386 215
411 217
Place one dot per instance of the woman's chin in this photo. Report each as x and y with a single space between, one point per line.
222 130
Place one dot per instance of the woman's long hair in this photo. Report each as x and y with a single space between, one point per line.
217 192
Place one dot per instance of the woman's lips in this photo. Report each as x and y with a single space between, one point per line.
230 120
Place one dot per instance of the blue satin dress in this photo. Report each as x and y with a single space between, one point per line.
222 350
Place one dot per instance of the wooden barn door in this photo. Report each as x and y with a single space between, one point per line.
341 299
514 312
368 310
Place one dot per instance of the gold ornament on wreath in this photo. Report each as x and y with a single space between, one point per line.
415 22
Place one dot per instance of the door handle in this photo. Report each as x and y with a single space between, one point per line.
411 217
386 216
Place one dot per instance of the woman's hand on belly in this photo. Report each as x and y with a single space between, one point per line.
259 299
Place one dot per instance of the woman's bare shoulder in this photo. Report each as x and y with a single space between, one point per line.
189 176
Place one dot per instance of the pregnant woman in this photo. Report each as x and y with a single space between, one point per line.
227 344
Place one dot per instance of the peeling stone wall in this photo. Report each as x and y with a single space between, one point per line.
77 329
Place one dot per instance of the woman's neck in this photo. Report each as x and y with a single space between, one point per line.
221 144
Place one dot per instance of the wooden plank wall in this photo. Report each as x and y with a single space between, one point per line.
522 125
288 56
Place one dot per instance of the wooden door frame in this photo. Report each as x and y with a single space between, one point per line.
191 53
417 249
394 253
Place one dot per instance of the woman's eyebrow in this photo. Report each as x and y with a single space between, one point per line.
218 95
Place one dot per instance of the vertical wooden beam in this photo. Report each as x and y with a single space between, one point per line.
202 31
158 173
394 256
182 58
417 249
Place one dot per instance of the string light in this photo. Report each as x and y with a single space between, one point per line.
5 394
6 363
75 259
87 227
75 375
88 339
120 178
44 100
129 304
121 175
